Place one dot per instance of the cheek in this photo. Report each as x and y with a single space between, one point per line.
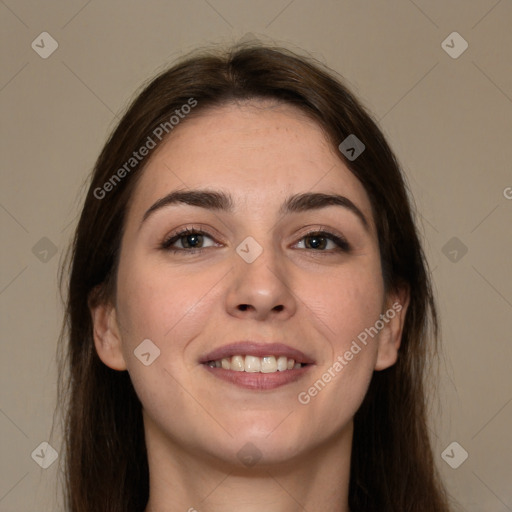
169 308
345 302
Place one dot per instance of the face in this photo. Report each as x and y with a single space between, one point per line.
252 287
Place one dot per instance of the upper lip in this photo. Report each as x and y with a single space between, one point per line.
252 348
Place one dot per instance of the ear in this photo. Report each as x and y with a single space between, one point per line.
107 339
390 336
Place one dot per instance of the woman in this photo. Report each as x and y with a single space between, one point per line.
249 312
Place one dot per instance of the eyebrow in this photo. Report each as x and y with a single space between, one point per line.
222 201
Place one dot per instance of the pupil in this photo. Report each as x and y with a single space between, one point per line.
316 242
194 238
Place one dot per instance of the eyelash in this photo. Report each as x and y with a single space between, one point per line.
340 241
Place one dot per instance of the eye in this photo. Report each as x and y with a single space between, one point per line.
319 241
191 240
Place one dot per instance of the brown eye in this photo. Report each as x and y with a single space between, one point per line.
319 241
316 242
189 239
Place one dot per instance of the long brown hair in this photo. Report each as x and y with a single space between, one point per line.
106 468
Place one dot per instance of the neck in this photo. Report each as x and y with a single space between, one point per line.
184 481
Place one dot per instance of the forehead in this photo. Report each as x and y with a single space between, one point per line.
260 151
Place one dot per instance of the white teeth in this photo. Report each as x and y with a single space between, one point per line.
253 364
268 364
282 363
237 364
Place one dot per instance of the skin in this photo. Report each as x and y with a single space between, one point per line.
188 304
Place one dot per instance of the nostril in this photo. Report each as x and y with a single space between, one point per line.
244 307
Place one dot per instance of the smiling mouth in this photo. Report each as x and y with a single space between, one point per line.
257 366
254 364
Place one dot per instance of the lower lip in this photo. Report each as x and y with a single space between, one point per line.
258 380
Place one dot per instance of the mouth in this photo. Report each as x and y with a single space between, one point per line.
257 366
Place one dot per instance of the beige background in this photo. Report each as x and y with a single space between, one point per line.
449 120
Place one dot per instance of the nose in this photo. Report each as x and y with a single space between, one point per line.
261 290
